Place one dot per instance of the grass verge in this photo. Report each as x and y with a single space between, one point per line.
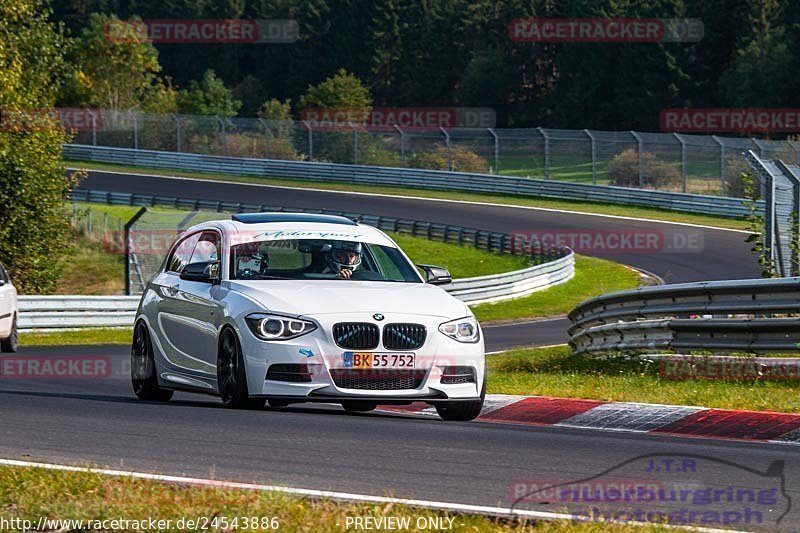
77 337
560 205
592 277
555 371
91 269
30 493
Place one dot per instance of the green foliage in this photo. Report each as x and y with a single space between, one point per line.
624 171
34 232
209 96
274 109
341 91
115 68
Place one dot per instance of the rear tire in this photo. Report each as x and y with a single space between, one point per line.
358 406
462 411
144 377
231 374
11 343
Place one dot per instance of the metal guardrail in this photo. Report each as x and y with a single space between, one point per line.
407 177
67 312
757 316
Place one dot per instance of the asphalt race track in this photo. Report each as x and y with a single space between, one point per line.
683 253
98 419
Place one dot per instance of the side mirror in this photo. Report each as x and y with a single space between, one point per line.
2 282
436 275
204 272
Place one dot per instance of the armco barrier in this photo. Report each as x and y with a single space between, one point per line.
757 316
405 177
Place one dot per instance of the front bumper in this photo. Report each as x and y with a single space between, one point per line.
329 379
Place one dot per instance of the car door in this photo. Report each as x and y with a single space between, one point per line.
200 305
7 303
173 329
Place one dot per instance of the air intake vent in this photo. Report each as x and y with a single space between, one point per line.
456 375
377 379
356 335
404 336
294 373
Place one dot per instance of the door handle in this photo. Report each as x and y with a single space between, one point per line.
173 289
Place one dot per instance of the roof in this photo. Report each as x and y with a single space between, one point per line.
261 218
294 226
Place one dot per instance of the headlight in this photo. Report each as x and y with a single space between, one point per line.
278 328
461 329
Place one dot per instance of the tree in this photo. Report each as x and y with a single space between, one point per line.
115 67
274 109
34 231
342 91
209 96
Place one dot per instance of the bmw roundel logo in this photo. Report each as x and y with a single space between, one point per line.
378 317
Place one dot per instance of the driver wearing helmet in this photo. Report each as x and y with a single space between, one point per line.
251 263
343 258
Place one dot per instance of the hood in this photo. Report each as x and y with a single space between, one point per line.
339 296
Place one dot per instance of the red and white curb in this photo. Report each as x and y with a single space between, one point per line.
677 420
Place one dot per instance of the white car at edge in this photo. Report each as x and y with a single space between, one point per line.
293 308
8 313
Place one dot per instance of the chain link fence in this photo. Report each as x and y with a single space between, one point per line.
661 161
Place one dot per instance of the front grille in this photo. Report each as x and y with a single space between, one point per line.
390 379
455 375
356 335
404 336
293 373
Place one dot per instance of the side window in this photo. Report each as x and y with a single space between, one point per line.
207 248
182 253
3 274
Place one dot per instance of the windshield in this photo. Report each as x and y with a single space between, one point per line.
318 259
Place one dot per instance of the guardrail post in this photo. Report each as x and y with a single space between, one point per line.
496 151
760 147
594 155
641 157
683 160
94 126
449 153
546 152
266 136
723 171
310 140
127 237
135 130
402 143
177 131
224 136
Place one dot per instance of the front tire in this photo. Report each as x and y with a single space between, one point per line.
231 375
143 368
11 343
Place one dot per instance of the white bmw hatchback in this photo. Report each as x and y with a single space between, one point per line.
8 313
288 308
